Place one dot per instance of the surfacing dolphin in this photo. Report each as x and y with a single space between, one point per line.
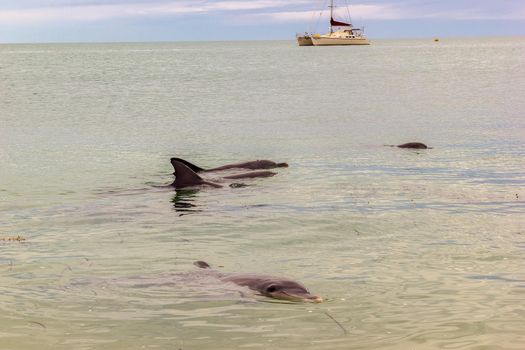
252 165
414 145
269 286
185 176
207 283
417 145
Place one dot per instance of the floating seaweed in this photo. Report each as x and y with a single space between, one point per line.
12 239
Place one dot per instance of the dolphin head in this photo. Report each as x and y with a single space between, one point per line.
284 289
274 287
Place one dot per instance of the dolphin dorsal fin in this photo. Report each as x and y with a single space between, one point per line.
192 166
184 176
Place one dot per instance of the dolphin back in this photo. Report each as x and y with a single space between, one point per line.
202 264
416 145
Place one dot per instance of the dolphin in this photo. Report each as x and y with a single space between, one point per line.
209 283
186 177
252 165
270 286
416 145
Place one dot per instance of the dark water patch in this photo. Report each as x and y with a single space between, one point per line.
449 242
371 207
500 181
497 278
499 207
127 191
476 176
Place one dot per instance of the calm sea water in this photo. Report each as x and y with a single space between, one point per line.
411 249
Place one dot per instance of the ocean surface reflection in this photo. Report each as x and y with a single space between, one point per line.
184 201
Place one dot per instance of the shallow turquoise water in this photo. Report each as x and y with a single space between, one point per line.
411 249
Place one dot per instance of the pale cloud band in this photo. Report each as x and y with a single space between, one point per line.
101 11
261 10
357 11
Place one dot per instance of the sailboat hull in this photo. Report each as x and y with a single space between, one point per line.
326 41
304 41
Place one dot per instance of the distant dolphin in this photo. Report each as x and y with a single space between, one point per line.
253 165
208 280
416 145
186 177
269 286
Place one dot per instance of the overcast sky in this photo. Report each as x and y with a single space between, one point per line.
174 20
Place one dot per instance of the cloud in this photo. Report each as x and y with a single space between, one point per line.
78 11
95 12
253 5
475 15
30 12
464 10
356 11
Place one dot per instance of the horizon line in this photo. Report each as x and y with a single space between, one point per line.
251 40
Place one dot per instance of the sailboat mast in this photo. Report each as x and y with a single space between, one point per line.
331 14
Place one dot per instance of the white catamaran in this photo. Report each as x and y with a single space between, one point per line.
345 34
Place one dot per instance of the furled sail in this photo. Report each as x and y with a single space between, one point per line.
335 23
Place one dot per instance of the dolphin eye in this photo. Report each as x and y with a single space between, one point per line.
272 289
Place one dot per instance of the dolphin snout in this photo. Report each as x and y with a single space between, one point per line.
314 299
311 298
284 295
